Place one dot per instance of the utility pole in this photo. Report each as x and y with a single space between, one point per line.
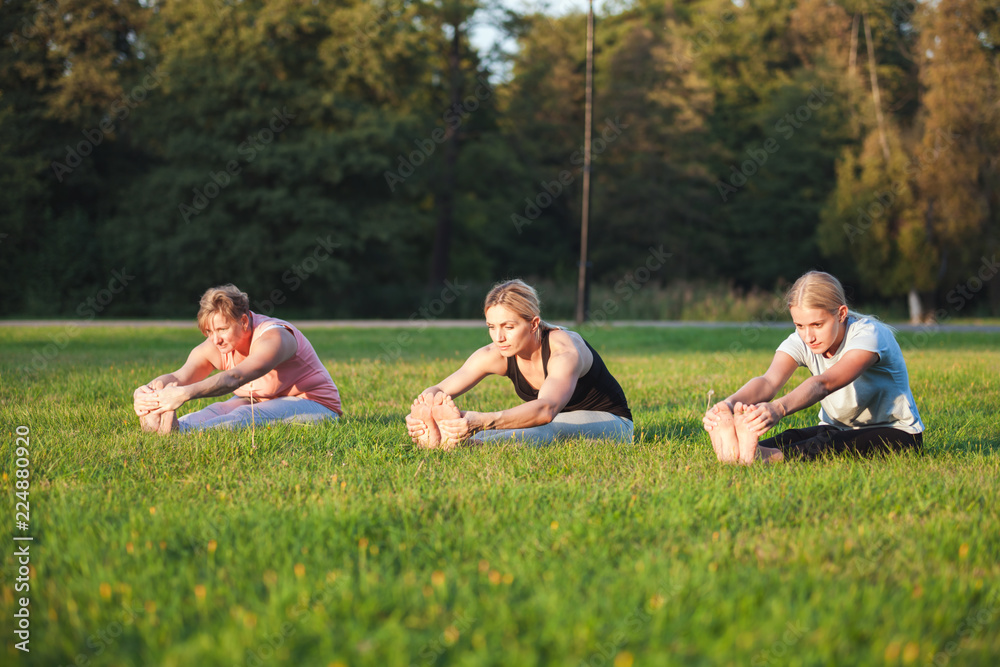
588 121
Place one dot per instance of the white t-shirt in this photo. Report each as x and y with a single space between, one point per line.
880 396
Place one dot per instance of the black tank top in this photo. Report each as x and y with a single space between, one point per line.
598 390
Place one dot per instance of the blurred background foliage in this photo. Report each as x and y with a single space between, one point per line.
344 159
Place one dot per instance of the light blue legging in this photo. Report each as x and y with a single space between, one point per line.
567 425
236 413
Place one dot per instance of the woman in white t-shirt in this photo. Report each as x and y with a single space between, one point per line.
859 379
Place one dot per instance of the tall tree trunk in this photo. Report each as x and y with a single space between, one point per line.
588 122
876 97
853 62
916 308
446 196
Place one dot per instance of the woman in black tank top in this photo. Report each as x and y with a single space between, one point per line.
567 388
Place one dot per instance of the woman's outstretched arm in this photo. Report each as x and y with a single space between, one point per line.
766 414
199 365
564 368
766 386
272 348
481 363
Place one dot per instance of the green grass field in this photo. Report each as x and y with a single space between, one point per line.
343 545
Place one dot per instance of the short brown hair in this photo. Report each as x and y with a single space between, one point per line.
227 300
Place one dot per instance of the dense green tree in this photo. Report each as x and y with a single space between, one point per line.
70 75
781 114
909 222
650 138
874 219
956 169
334 159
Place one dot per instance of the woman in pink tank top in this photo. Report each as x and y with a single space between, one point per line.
270 367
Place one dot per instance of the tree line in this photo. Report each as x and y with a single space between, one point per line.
346 159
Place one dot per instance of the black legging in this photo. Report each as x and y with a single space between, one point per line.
812 442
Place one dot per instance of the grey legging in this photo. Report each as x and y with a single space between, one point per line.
236 413
576 424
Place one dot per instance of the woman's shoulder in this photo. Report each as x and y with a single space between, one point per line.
210 353
565 342
865 326
263 324
488 359
563 339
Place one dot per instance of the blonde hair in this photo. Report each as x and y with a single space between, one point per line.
818 289
521 299
226 300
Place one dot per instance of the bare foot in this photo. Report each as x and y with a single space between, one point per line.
444 408
747 439
421 410
150 423
168 422
770 455
723 436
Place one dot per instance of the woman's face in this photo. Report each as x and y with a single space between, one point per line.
820 329
226 334
510 332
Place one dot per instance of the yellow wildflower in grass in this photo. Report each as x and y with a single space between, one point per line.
105 589
624 659
892 652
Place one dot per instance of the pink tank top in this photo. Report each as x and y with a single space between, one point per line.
302 375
